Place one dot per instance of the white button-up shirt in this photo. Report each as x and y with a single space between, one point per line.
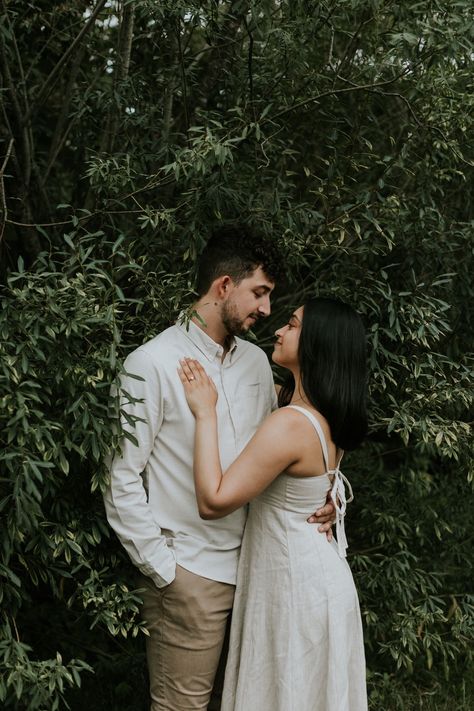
151 502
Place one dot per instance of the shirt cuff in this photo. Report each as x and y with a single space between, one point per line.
166 574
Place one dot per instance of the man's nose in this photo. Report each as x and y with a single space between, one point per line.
265 307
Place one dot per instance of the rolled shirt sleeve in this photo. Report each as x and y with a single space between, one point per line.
126 501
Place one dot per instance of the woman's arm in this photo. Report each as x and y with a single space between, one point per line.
270 451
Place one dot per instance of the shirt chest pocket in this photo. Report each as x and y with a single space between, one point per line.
249 391
249 409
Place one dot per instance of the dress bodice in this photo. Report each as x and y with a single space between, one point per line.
299 495
304 495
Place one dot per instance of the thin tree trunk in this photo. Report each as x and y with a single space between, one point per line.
57 139
121 73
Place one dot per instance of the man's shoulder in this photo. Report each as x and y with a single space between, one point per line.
170 335
158 347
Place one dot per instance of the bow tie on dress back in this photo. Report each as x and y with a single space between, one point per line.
338 496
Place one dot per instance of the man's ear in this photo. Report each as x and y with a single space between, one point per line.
223 285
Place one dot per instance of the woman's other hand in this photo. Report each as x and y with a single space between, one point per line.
200 391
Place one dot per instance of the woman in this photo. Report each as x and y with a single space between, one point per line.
296 638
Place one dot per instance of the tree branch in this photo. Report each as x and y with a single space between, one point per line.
3 200
57 141
60 65
21 130
183 74
250 64
334 92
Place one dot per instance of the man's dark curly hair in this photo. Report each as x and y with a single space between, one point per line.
236 251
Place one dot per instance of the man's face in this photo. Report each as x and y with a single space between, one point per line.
247 302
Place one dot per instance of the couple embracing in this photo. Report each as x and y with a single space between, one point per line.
210 437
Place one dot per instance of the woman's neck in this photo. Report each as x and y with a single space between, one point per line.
299 396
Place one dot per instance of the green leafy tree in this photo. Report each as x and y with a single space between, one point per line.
341 128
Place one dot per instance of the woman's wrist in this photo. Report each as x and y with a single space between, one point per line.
206 414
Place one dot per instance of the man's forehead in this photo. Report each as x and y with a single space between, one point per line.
260 280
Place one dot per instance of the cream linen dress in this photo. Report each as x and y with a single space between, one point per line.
296 639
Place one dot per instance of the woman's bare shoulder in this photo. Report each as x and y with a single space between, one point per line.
284 417
296 421
279 435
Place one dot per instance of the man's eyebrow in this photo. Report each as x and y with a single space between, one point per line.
265 288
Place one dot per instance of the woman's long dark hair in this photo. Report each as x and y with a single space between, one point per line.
332 357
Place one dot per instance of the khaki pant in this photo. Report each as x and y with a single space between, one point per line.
187 623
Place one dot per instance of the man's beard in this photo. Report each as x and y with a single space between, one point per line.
233 323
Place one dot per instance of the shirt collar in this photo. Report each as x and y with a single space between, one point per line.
203 341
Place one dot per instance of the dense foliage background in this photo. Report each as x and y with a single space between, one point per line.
343 128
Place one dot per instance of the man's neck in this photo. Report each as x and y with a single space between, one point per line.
209 320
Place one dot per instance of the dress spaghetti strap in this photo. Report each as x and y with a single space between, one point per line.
319 431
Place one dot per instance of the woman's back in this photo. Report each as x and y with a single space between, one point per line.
315 452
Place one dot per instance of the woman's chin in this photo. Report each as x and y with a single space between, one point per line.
275 357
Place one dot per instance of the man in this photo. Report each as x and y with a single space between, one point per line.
189 565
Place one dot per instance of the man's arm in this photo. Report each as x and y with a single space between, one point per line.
126 502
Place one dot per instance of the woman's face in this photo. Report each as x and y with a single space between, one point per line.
285 351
